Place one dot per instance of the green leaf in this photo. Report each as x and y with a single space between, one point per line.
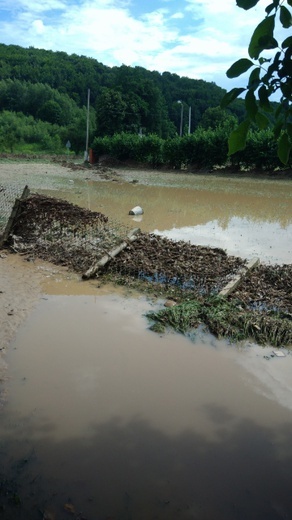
268 42
237 138
287 42
254 79
286 89
285 17
251 105
278 128
246 4
278 110
262 121
284 148
289 2
230 96
264 101
270 8
263 30
264 60
289 130
239 67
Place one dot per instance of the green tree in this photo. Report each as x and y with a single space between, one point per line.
216 117
268 76
10 131
110 112
50 111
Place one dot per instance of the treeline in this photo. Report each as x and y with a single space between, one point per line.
125 99
43 105
204 149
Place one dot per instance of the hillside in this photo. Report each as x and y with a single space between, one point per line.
52 88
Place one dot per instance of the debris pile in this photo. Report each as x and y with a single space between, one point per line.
63 233
181 265
259 307
267 288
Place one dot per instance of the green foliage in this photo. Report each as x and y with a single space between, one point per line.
214 118
269 76
172 153
260 152
203 149
151 150
125 98
38 100
19 132
110 112
225 319
131 147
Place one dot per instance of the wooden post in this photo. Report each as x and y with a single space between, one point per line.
13 216
229 288
92 271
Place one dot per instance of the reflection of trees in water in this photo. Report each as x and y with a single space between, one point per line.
134 471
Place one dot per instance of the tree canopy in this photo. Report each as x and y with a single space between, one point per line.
52 86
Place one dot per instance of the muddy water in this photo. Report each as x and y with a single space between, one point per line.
105 419
122 423
246 217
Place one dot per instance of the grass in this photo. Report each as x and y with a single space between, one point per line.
225 319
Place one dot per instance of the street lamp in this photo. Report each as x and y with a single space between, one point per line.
181 117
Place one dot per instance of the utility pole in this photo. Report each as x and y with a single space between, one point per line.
190 120
86 156
181 117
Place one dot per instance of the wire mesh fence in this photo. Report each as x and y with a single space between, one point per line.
64 233
8 194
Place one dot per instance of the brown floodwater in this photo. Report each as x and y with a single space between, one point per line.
246 217
105 419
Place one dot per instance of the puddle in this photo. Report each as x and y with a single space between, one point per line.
119 422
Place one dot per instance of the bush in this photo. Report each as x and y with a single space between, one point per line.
260 152
202 149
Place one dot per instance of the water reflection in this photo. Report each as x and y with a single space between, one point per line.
247 217
122 423
240 237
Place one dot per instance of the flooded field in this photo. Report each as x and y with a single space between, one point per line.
105 419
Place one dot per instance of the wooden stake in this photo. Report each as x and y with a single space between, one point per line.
229 288
92 271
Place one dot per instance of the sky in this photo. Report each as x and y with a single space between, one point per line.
197 39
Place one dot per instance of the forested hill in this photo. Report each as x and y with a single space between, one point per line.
124 98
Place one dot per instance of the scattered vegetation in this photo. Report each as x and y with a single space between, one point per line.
225 319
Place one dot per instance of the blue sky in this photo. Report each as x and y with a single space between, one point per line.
198 39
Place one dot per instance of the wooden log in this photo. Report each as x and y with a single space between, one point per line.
92 271
13 216
229 288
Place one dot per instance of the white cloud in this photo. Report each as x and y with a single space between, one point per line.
177 16
38 26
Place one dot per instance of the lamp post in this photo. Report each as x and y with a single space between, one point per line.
181 117
190 120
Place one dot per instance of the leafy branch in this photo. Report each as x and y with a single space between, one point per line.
268 76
